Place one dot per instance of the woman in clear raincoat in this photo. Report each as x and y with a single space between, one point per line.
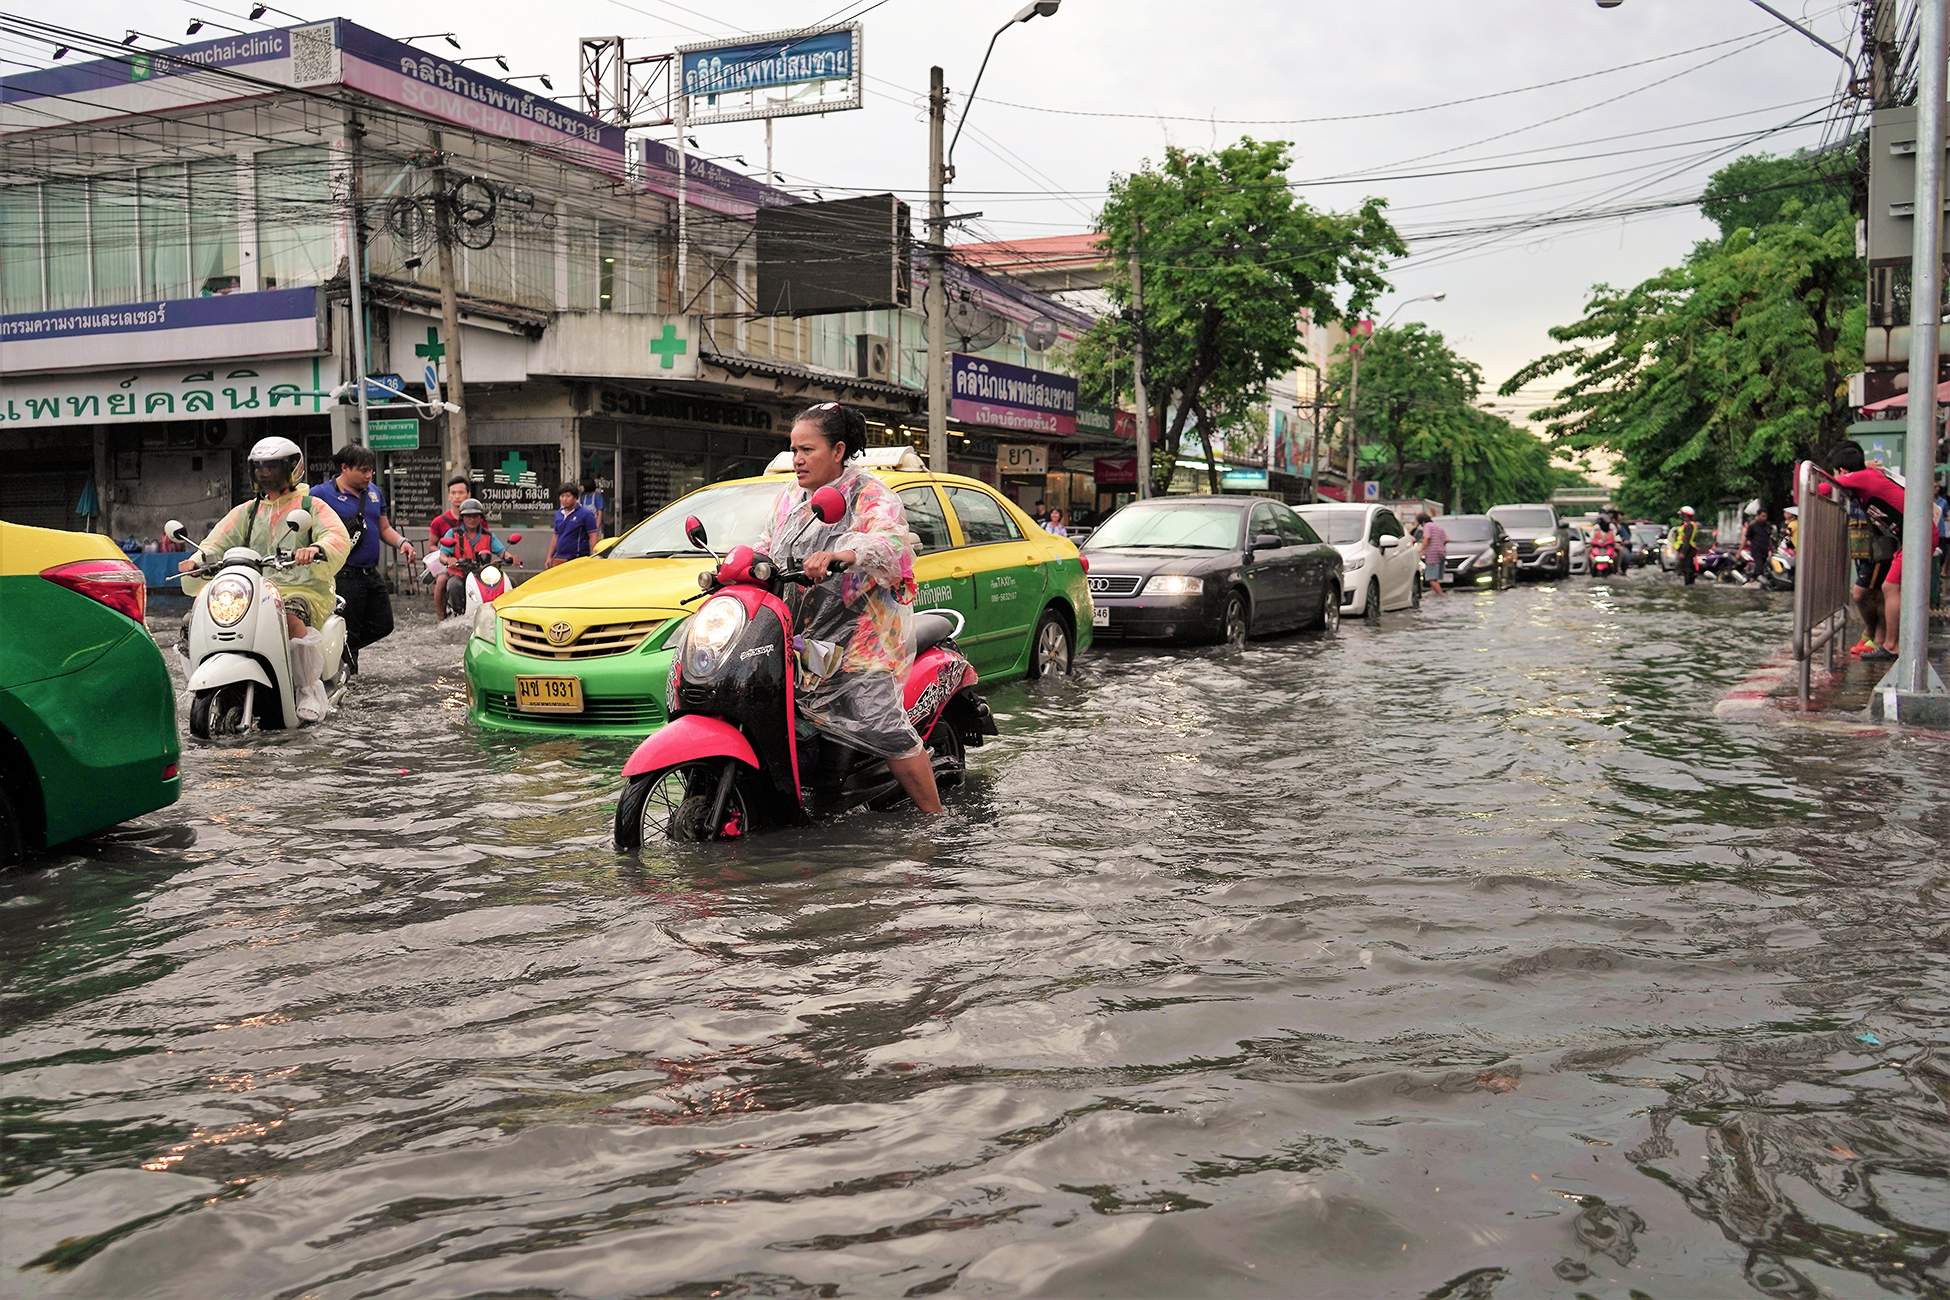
868 610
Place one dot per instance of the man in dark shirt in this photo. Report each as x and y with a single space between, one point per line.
1760 540
575 529
368 608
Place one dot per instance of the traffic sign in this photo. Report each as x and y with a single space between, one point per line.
393 435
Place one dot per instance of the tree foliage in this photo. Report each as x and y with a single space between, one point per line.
1422 434
1715 376
1230 260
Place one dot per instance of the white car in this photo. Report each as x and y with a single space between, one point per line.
1379 560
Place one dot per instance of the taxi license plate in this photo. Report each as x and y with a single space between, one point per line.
548 694
1100 617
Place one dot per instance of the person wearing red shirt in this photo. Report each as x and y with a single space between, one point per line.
1881 499
458 490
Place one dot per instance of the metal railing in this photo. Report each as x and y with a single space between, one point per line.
1822 573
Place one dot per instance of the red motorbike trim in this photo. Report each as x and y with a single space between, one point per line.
936 678
755 599
685 740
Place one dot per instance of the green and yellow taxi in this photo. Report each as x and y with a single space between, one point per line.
87 708
585 647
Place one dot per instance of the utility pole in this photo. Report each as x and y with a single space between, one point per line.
684 197
937 299
443 229
355 274
1879 37
1353 388
1137 376
1914 689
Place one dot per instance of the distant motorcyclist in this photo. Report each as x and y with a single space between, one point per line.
1685 543
309 592
472 540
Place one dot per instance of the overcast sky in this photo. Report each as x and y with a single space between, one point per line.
1106 84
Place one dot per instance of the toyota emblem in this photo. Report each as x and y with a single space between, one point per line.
560 634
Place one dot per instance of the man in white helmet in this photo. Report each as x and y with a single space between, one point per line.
277 469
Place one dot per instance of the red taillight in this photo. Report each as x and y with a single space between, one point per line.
1084 560
170 773
115 583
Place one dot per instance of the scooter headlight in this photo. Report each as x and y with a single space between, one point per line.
712 630
228 600
490 576
487 625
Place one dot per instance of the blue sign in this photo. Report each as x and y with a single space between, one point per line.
995 393
1243 479
755 65
385 388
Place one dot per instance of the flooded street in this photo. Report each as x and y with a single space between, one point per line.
1469 955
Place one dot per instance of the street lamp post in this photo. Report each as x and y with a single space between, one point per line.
1354 382
941 170
1768 9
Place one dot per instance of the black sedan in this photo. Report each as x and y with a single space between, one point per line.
1481 554
1210 568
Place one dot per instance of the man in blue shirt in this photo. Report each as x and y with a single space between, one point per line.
575 528
368 608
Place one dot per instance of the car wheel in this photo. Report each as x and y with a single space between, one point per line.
1330 609
1051 649
1236 624
1371 607
13 835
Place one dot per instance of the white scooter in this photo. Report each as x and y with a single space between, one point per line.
477 582
239 649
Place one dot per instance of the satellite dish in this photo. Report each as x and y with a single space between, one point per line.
1039 334
974 326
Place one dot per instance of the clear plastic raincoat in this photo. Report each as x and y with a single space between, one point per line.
259 524
868 611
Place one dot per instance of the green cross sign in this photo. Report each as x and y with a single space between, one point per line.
514 466
433 347
669 347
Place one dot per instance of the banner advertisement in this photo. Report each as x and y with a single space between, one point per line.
1116 473
157 333
1243 480
707 185
224 390
1003 396
726 81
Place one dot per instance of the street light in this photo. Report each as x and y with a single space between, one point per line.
1354 380
1427 297
1770 9
940 169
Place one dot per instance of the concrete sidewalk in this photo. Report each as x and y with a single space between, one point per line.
1769 693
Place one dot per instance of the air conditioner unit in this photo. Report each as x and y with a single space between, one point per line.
874 356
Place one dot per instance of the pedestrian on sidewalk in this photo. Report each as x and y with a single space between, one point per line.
1870 553
1880 494
351 494
1685 543
576 534
1435 550
595 503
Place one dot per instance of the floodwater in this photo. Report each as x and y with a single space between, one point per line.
1465 956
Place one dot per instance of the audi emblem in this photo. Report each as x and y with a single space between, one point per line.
1100 584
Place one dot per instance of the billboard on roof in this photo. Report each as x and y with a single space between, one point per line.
840 255
778 74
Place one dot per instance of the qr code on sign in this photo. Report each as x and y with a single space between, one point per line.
313 55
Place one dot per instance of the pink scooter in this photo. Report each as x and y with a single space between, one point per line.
730 760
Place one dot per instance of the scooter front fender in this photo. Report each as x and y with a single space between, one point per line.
687 739
226 670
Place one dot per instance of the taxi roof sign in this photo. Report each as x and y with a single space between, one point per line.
901 458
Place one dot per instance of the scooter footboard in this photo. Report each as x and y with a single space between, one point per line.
687 739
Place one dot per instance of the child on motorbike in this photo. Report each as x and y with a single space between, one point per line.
473 541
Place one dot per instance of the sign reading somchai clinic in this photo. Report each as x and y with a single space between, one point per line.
1003 396
778 74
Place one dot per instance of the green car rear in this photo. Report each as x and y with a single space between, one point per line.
87 708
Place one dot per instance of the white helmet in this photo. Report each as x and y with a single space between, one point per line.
276 465
1688 511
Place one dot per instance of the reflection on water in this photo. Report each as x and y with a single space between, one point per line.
1469 955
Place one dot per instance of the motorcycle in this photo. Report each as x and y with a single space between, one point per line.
1605 559
476 581
1723 565
1778 572
241 670
730 760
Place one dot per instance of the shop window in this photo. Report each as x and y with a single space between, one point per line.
215 264
294 217
112 223
163 222
65 223
609 284
584 260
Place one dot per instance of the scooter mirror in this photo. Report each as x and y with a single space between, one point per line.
175 531
298 520
829 505
514 537
694 532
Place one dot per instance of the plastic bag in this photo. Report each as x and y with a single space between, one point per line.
307 674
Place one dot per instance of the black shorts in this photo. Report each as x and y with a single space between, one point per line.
1870 574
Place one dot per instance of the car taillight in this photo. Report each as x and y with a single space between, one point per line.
115 583
1084 560
170 772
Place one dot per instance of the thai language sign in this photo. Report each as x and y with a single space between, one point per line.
707 185
223 390
726 81
1003 396
154 333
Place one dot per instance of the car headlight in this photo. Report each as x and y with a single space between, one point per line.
487 625
712 629
228 600
1487 557
1548 539
1173 584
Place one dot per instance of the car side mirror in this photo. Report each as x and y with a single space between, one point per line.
1389 542
829 505
1267 542
297 521
694 532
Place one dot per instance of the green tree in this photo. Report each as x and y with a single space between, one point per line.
1715 376
1230 261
